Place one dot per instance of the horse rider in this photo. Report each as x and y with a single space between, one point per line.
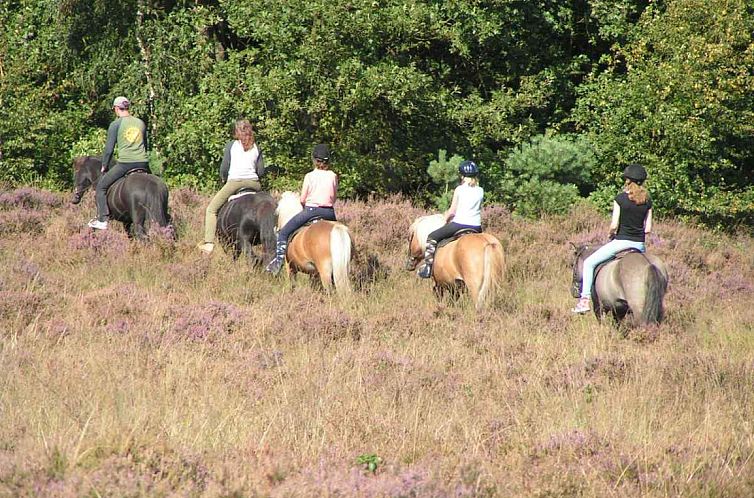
129 134
630 224
318 195
242 167
465 213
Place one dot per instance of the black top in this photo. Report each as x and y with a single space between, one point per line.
632 217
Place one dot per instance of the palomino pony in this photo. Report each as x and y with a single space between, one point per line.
634 283
247 220
133 200
323 248
475 260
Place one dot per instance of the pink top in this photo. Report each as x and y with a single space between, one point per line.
320 188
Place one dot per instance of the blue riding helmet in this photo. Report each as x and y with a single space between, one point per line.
468 168
636 173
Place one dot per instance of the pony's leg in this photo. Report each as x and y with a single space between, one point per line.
324 271
139 216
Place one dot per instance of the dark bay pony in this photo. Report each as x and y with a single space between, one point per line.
134 200
245 221
475 260
323 248
635 284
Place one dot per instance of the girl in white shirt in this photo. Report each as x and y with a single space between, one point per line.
242 167
465 213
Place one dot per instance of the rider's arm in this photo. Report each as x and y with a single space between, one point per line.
225 165
451 212
259 164
648 222
615 221
112 139
305 188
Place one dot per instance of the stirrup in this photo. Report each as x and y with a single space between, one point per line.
275 265
425 271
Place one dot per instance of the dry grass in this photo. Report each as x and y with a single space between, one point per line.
148 370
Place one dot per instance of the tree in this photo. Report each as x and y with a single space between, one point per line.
677 97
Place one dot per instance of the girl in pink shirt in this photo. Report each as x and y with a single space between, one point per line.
318 196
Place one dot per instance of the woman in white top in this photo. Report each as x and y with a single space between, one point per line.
242 167
465 213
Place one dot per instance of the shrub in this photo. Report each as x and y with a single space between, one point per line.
547 175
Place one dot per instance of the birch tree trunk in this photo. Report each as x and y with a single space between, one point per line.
146 62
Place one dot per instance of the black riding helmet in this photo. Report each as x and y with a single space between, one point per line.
636 173
468 169
321 152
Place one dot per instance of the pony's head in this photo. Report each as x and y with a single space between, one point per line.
289 206
581 252
417 238
86 172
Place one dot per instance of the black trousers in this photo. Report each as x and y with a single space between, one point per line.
449 230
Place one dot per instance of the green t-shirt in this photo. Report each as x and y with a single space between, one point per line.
129 133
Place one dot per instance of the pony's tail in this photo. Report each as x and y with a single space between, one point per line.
267 221
654 292
157 208
494 267
340 253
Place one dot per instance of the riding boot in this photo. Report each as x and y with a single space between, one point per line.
277 262
429 258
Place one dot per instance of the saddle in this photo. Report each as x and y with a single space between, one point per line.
619 255
460 233
141 171
316 219
241 192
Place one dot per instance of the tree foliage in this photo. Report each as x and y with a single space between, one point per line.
388 85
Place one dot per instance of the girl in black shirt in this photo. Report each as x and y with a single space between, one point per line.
631 222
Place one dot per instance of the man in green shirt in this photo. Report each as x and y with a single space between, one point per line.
129 134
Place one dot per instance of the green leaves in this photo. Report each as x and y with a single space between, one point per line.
388 84
546 175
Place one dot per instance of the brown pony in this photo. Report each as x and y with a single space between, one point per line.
323 248
475 260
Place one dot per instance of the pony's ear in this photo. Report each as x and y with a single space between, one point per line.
77 163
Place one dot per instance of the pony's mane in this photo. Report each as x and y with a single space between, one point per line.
289 205
424 225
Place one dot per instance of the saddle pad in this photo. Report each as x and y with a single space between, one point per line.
310 222
456 236
240 194
618 255
143 171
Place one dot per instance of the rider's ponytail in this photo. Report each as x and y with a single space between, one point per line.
636 193
245 133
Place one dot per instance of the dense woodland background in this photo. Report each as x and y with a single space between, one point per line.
553 98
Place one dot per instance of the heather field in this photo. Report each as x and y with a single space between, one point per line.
132 369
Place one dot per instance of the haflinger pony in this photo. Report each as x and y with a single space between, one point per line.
475 260
135 200
635 283
322 248
245 221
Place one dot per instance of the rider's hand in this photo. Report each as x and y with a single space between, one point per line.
102 169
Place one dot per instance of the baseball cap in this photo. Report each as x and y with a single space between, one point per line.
121 103
321 152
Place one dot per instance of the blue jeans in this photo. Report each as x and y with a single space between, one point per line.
603 254
301 218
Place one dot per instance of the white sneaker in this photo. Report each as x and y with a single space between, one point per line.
97 224
583 306
206 247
